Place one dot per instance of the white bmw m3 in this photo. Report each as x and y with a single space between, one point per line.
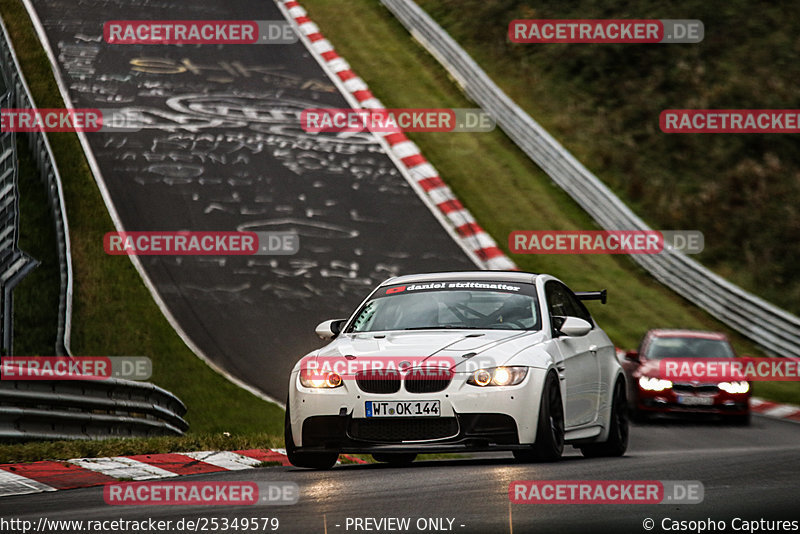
459 362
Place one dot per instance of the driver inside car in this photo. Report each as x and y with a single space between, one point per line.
515 310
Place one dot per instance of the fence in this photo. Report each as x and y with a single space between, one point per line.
60 409
19 96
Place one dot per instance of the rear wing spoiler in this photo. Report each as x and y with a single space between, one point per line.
602 295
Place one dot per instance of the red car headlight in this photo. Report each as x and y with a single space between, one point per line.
734 387
648 383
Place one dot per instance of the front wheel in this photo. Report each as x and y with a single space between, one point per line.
617 442
312 460
550 427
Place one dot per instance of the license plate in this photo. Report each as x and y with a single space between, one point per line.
695 401
403 408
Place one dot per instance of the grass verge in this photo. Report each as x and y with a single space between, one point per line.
36 296
788 392
64 450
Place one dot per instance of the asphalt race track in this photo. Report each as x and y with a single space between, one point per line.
218 154
750 473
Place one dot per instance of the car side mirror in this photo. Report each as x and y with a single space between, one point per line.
575 327
632 355
328 330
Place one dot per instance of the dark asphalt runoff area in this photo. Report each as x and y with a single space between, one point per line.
750 473
222 150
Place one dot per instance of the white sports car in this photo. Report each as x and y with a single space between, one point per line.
456 362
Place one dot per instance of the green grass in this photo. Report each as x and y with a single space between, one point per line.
36 296
603 102
114 313
788 392
65 450
502 188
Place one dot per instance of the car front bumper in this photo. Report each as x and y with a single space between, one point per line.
471 418
668 401
475 431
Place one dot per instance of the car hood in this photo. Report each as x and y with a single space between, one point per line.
490 347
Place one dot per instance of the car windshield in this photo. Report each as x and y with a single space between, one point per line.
688 347
445 305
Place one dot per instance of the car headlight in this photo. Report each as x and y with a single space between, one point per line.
311 378
734 387
654 384
498 376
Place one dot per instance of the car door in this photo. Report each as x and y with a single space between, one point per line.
580 361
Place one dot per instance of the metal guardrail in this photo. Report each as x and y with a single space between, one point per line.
774 329
14 264
63 409
87 409
19 96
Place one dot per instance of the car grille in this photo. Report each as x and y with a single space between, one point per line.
428 380
701 389
378 381
400 429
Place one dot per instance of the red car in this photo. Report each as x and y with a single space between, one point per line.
649 393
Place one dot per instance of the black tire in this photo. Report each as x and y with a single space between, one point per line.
638 416
549 444
617 442
395 458
312 460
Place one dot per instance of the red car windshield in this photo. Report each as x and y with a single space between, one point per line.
661 348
